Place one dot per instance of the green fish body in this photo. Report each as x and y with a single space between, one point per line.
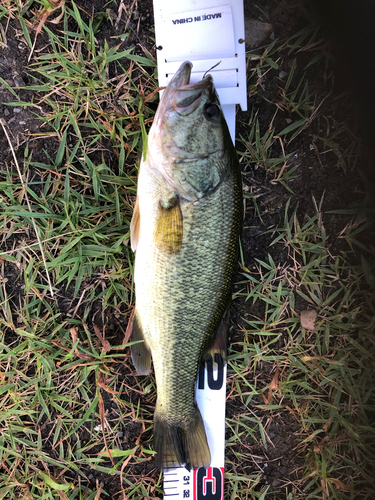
185 231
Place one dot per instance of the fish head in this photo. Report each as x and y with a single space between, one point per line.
188 130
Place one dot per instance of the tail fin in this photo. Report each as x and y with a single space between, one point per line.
179 443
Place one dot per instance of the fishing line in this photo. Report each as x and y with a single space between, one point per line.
213 67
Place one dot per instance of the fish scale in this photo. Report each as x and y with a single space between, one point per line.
190 282
187 226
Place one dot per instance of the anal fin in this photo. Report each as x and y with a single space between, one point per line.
220 343
141 354
135 226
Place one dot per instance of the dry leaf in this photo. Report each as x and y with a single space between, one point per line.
62 495
98 493
275 381
339 484
74 335
308 319
101 336
102 383
292 412
266 400
272 387
327 424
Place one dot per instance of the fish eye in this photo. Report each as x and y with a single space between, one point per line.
211 111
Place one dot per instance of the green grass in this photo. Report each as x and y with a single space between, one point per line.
326 374
65 221
54 368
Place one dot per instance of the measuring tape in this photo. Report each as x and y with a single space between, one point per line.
201 483
215 30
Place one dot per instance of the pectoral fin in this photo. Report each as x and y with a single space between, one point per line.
141 354
135 226
169 226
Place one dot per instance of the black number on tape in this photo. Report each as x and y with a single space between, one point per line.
213 384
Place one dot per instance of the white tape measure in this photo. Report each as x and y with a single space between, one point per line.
201 483
205 33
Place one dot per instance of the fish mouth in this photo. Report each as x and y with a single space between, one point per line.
182 95
188 96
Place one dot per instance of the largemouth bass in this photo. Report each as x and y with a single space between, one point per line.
185 231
